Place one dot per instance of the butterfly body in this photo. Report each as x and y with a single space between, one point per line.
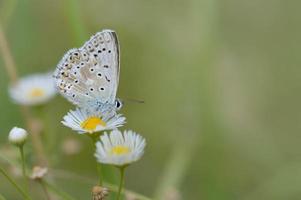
88 76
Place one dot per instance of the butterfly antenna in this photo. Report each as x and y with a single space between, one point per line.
134 100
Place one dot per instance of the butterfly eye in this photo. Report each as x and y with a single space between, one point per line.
91 89
101 88
118 104
109 51
91 69
76 81
99 74
106 66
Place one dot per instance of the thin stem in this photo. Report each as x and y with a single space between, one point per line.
63 174
23 161
45 190
23 167
121 184
20 190
11 69
98 165
57 191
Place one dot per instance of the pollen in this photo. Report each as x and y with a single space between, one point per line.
91 123
120 150
36 92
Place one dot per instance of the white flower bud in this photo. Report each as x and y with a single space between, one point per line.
17 136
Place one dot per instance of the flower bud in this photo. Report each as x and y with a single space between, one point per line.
17 136
38 172
99 193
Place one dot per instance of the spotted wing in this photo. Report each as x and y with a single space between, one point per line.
89 75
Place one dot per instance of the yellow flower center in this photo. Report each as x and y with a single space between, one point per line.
36 92
91 123
120 150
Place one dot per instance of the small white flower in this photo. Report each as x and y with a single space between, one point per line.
17 136
120 149
85 121
33 90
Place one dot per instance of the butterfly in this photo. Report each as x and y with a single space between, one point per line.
88 76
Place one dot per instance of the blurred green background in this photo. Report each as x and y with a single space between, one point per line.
220 81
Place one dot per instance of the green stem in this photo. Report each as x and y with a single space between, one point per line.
23 167
62 174
122 169
23 161
57 191
44 187
98 165
22 192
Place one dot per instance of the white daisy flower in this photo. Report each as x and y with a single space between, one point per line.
85 121
33 90
120 149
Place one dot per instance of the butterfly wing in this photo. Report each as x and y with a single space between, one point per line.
89 75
